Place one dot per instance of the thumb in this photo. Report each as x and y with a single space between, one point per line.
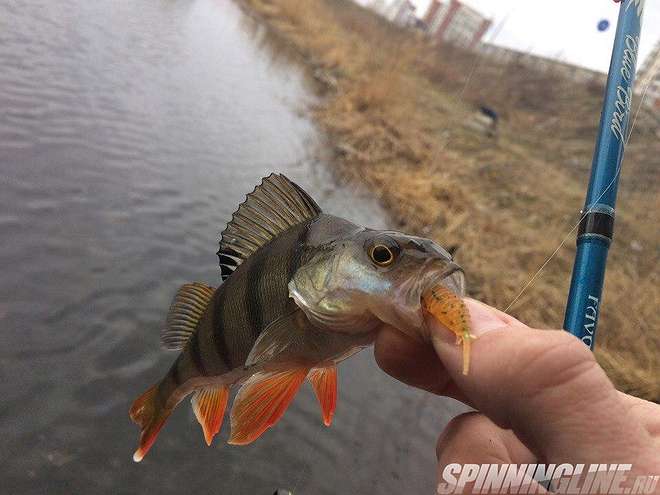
545 386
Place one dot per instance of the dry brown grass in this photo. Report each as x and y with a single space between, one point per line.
394 108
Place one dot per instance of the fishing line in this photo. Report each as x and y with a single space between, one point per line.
479 59
477 62
584 214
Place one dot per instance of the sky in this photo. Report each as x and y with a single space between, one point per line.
564 29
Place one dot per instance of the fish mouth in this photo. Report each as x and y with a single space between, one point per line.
454 279
449 275
406 313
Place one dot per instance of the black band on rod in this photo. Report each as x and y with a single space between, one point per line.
597 222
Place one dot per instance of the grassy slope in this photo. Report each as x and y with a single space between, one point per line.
394 106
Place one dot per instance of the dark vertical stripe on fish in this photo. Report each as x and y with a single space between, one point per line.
219 328
196 355
170 383
254 296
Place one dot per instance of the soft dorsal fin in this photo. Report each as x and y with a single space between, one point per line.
185 311
275 205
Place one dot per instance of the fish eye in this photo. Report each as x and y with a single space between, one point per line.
383 252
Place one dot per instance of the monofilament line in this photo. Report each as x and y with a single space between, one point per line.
584 214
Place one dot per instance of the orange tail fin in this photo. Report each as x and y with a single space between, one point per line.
150 417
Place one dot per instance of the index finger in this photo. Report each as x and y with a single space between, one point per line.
415 361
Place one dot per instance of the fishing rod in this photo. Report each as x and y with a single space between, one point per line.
597 218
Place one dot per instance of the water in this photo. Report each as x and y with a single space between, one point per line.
129 132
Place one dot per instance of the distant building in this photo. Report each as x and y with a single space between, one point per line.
399 12
402 13
454 22
649 75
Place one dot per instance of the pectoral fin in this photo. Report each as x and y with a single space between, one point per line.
261 402
209 406
293 339
277 338
324 382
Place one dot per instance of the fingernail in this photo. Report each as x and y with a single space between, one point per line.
483 318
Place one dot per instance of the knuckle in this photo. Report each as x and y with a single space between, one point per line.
463 433
465 421
564 365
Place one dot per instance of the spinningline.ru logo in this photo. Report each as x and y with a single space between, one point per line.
582 479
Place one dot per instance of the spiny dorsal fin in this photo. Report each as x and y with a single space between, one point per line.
185 311
275 205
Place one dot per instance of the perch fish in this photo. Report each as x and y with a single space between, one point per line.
302 290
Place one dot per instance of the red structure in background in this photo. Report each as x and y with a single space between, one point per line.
485 25
454 6
455 22
431 12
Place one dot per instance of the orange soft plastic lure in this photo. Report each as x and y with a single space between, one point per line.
450 310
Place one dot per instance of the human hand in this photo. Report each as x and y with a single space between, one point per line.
541 396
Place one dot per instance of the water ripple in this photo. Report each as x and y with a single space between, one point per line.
129 133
